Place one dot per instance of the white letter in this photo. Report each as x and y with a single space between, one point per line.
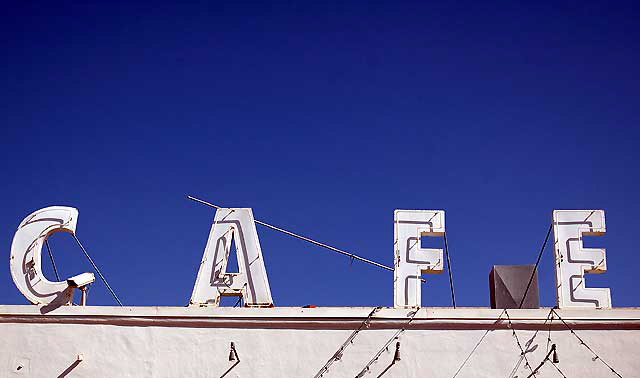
410 259
25 261
573 260
250 282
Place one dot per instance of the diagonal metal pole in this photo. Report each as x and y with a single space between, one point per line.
334 249
446 251
535 268
93 264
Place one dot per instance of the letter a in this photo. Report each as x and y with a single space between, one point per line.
251 281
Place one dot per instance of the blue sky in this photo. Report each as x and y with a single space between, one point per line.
323 117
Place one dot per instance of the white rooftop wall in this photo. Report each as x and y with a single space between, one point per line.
294 342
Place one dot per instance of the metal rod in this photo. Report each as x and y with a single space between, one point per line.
83 298
96 268
446 251
55 270
334 249
535 268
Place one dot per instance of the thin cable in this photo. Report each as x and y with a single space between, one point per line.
338 354
596 357
549 334
523 353
544 360
549 341
386 345
549 317
535 268
55 270
515 368
550 320
334 249
476 347
96 268
558 369
446 251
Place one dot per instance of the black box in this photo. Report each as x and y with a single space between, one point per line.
507 284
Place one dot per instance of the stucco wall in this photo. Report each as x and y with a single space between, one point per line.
195 342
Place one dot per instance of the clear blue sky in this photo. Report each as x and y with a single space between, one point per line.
323 117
